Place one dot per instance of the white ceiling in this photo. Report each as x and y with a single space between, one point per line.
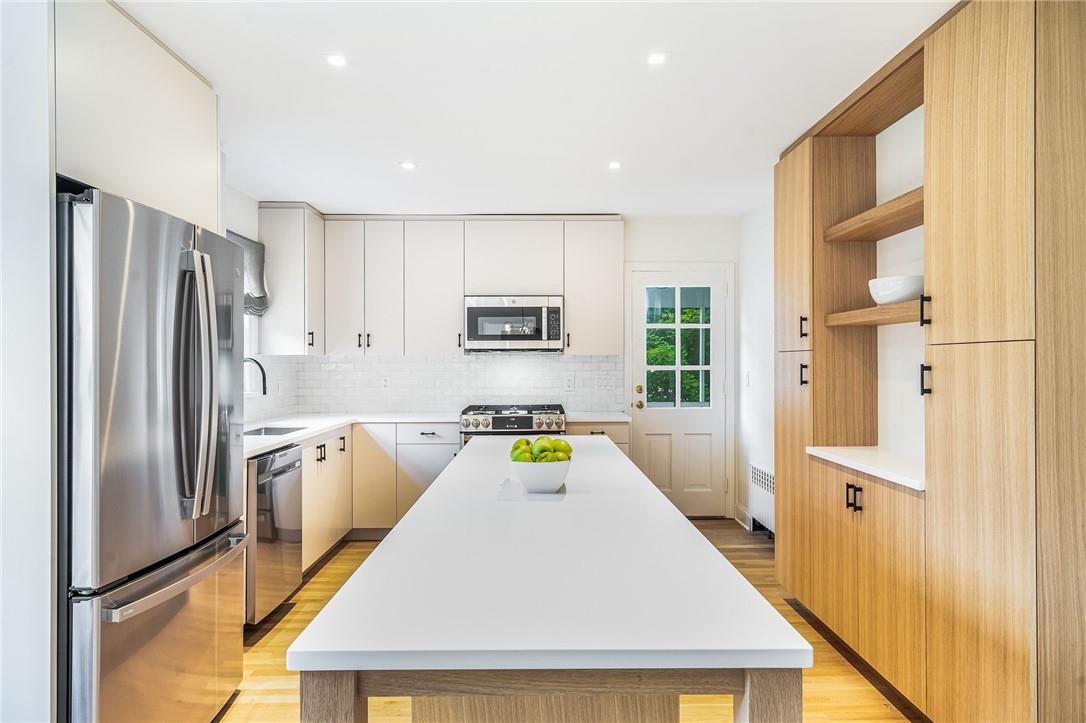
519 107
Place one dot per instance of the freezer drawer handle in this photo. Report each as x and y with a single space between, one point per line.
134 608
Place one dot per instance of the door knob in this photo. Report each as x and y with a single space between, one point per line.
639 389
639 404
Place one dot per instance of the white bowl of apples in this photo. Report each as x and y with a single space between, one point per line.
541 465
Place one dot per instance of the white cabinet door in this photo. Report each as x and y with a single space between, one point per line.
344 280
283 327
433 286
507 258
314 283
342 513
374 456
594 253
384 288
417 466
314 517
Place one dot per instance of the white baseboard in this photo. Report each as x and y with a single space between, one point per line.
742 517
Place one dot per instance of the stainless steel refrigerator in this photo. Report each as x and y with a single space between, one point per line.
151 465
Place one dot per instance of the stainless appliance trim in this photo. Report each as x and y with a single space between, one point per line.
213 356
544 303
203 472
129 610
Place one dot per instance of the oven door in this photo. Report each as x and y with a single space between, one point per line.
513 323
465 437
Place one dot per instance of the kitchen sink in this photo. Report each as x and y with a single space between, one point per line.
271 431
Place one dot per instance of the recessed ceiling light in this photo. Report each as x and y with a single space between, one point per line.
614 165
407 165
336 60
657 58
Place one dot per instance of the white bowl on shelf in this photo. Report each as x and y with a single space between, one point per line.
541 477
894 289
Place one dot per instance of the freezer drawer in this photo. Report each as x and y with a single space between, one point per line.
166 646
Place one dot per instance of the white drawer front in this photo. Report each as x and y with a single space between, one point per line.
619 433
427 434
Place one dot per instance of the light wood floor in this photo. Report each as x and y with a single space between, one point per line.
833 690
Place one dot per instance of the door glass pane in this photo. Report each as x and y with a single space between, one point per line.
659 347
660 388
695 305
695 347
695 388
660 305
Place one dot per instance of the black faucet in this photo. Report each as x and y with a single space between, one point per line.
263 374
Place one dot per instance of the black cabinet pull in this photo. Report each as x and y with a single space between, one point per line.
310 338
359 340
320 453
857 490
803 327
924 369
597 431
368 340
567 340
802 376
427 434
460 340
342 444
924 320
849 503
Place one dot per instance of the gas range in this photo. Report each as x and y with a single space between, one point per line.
512 419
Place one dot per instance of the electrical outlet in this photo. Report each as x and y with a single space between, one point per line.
384 382
605 381
571 382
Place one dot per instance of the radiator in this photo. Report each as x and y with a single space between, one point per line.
762 485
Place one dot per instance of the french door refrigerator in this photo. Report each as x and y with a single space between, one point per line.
151 468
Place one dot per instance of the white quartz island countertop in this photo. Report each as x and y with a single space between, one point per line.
608 575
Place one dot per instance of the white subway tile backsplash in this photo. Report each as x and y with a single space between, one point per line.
298 385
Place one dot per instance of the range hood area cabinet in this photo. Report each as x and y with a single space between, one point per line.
293 237
511 258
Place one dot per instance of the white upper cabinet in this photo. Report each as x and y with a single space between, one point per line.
594 254
510 258
433 286
344 282
294 269
384 288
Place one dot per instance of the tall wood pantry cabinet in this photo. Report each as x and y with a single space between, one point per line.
967 597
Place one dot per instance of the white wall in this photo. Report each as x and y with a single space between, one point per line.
899 154
756 353
240 213
711 238
27 477
132 119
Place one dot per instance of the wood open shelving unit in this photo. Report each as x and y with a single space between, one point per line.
896 215
901 313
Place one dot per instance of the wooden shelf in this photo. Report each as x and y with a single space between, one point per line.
900 313
896 215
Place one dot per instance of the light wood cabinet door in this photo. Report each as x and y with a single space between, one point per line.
511 258
433 287
593 304
832 538
314 283
344 282
793 214
979 174
890 583
417 466
340 450
384 288
618 432
373 450
315 530
792 417
981 550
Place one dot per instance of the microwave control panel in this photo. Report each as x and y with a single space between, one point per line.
554 323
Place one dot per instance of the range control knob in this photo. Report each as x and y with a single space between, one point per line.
549 422
559 422
475 422
486 423
465 422
538 422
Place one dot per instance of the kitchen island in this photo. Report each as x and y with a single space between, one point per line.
600 603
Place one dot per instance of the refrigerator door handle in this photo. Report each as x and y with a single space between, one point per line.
204 414
213 404
183 388
143 604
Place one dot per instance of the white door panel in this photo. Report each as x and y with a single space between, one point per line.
513 258
344 280
384 288
433 287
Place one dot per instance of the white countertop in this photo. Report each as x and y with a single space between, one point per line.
314 425
479 575
904 469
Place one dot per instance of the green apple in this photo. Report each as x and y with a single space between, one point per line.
561 445
544 457
561 457
522 442
542 446
523 455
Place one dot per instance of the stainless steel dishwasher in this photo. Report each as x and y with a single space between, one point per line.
273 515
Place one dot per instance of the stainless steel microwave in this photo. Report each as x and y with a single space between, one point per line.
513 323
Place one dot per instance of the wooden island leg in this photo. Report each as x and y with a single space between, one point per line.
770 695
332 697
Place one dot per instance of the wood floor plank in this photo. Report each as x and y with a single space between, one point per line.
833 690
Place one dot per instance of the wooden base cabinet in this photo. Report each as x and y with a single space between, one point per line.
792 423
374 476
326 494
867 570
